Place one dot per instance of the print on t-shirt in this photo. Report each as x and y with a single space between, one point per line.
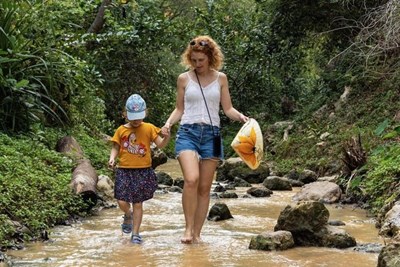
132 147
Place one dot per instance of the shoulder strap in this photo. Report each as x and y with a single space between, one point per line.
205 102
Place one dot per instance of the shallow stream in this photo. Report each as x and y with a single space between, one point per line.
97 241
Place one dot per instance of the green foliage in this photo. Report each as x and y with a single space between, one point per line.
383 178
133 55
25 76
34 187
96 148
39 80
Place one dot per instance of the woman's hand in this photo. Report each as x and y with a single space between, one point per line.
243 118
166 128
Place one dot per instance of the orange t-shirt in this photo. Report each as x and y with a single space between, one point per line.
135 145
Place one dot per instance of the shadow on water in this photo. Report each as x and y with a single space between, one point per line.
98 240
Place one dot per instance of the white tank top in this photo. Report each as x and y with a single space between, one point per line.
195 110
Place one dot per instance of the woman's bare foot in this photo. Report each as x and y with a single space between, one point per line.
187 238
197 240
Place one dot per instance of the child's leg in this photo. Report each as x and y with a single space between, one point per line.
127 222
125 207
137 217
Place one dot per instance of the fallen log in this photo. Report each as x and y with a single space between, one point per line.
84 181
70 147
84 177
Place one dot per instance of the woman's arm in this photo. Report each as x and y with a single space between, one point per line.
226 102
179 106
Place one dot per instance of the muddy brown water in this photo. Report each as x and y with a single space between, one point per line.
98 241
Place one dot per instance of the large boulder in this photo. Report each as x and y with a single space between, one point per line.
307 217
391 223
308 223
389 256
325 192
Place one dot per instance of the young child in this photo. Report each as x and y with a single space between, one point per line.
135 180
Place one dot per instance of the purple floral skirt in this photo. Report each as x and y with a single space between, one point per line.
135 185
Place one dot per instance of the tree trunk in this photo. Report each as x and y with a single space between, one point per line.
98 22
84 181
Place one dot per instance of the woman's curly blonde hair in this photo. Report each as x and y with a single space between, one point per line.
208 46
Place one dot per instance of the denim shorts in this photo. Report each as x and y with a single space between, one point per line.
199 138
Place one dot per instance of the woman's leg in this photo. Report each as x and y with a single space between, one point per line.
207 170
137 217
189 163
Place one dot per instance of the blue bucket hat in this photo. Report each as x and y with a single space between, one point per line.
135 107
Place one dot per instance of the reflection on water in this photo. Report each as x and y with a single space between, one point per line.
98 240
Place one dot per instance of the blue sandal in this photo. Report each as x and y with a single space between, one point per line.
136 239
126 226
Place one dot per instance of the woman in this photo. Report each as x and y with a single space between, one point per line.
200 91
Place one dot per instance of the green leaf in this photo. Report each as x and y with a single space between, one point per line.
22 83
381 127
390 135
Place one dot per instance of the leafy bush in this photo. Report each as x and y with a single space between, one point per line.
34 187
383 178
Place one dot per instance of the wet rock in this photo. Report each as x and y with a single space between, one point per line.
389 256
308 217
228 195
238 182
164 178
369 248
391 223
158 157
105 188
325 192
179 182
277 183
218 212
219 188
259 192
333 237
293 175
336 223
270 241
308 223
308 176
235 168
230 187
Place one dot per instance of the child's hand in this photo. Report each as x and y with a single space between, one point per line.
165 130
111 164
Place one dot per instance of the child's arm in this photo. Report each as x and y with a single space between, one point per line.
113 155
162 141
